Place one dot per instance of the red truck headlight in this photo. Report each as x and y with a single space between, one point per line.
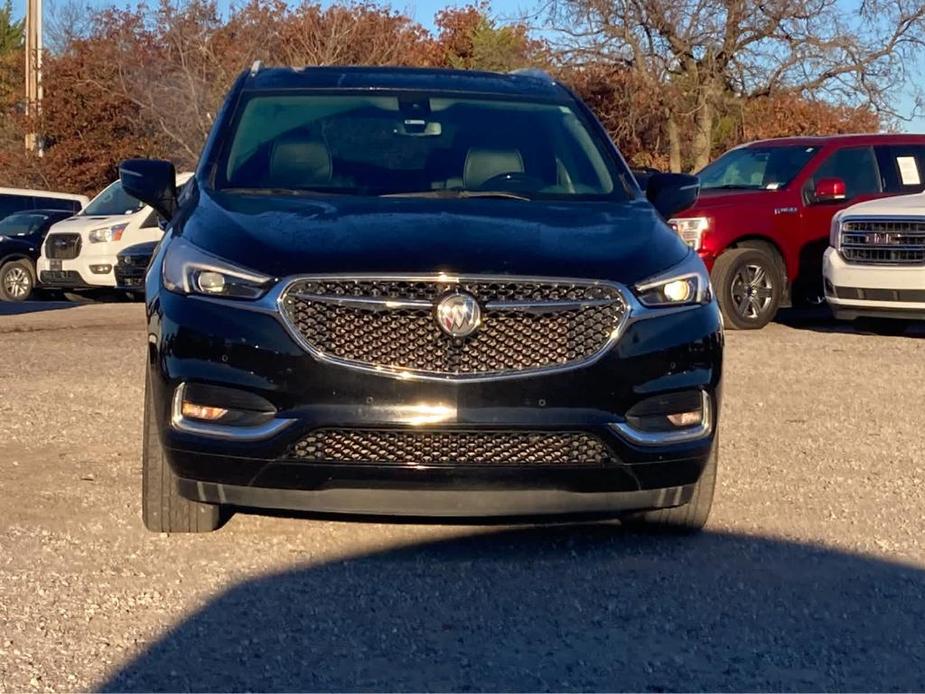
691 229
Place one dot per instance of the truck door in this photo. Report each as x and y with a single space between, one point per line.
857 167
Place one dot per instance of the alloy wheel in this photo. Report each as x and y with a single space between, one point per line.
752 291
17 283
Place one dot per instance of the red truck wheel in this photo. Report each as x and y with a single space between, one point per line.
748 287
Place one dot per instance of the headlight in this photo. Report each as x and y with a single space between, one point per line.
106 234
835 231
685 284
190 270
690 229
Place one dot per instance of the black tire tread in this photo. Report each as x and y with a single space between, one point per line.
162 508
689 518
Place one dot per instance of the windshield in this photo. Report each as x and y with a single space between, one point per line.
756 168
113 200
22 224
414 145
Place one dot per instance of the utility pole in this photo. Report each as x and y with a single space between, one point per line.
33 69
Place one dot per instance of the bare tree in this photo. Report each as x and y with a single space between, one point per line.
66 21
699 51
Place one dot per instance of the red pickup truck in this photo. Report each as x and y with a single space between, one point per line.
762 221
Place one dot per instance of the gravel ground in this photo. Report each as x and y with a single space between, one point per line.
811 575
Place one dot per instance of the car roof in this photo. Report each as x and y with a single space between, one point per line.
527 83
854 139
43 194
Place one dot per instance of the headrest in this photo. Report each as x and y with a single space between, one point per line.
483 163
298 161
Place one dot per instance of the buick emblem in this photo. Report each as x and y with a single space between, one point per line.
458 315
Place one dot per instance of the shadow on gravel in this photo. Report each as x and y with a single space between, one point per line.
564 608
17 308
820 319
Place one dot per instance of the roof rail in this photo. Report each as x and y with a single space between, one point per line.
534 72
256 67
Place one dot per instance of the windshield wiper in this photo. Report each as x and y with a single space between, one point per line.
734 186
454 193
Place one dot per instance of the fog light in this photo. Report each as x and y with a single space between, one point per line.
202 412
686 419
244 416
668 418
219 405
101 269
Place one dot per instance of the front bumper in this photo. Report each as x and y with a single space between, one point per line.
197 340
77 273
438 503
883 291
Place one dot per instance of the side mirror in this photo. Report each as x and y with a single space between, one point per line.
671 193
829 190
152 181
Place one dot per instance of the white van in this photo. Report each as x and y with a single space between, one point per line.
22 199
80 252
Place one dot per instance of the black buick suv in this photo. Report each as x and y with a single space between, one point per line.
430 293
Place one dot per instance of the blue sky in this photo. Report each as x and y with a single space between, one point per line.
424 10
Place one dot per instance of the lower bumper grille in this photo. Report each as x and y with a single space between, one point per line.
502 448
130 275
864 294
65 277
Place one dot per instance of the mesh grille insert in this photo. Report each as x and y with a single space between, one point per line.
396 447
514 336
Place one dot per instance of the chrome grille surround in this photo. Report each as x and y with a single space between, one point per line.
385 324
448 447
882 240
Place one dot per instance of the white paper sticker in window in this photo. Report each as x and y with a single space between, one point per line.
908 171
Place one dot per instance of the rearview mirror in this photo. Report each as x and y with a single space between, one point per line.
829 190
671 193
152 181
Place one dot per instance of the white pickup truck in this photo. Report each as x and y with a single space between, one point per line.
874 269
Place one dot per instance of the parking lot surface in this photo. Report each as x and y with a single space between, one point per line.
810 576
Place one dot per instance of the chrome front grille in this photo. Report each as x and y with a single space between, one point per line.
883 241
436 448
389 324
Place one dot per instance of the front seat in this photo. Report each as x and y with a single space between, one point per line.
483 164
299 162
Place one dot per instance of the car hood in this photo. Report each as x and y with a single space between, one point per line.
902 205
83 223
283 236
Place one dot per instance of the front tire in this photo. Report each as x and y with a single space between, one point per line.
17 280
749 286
162 508
687 519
